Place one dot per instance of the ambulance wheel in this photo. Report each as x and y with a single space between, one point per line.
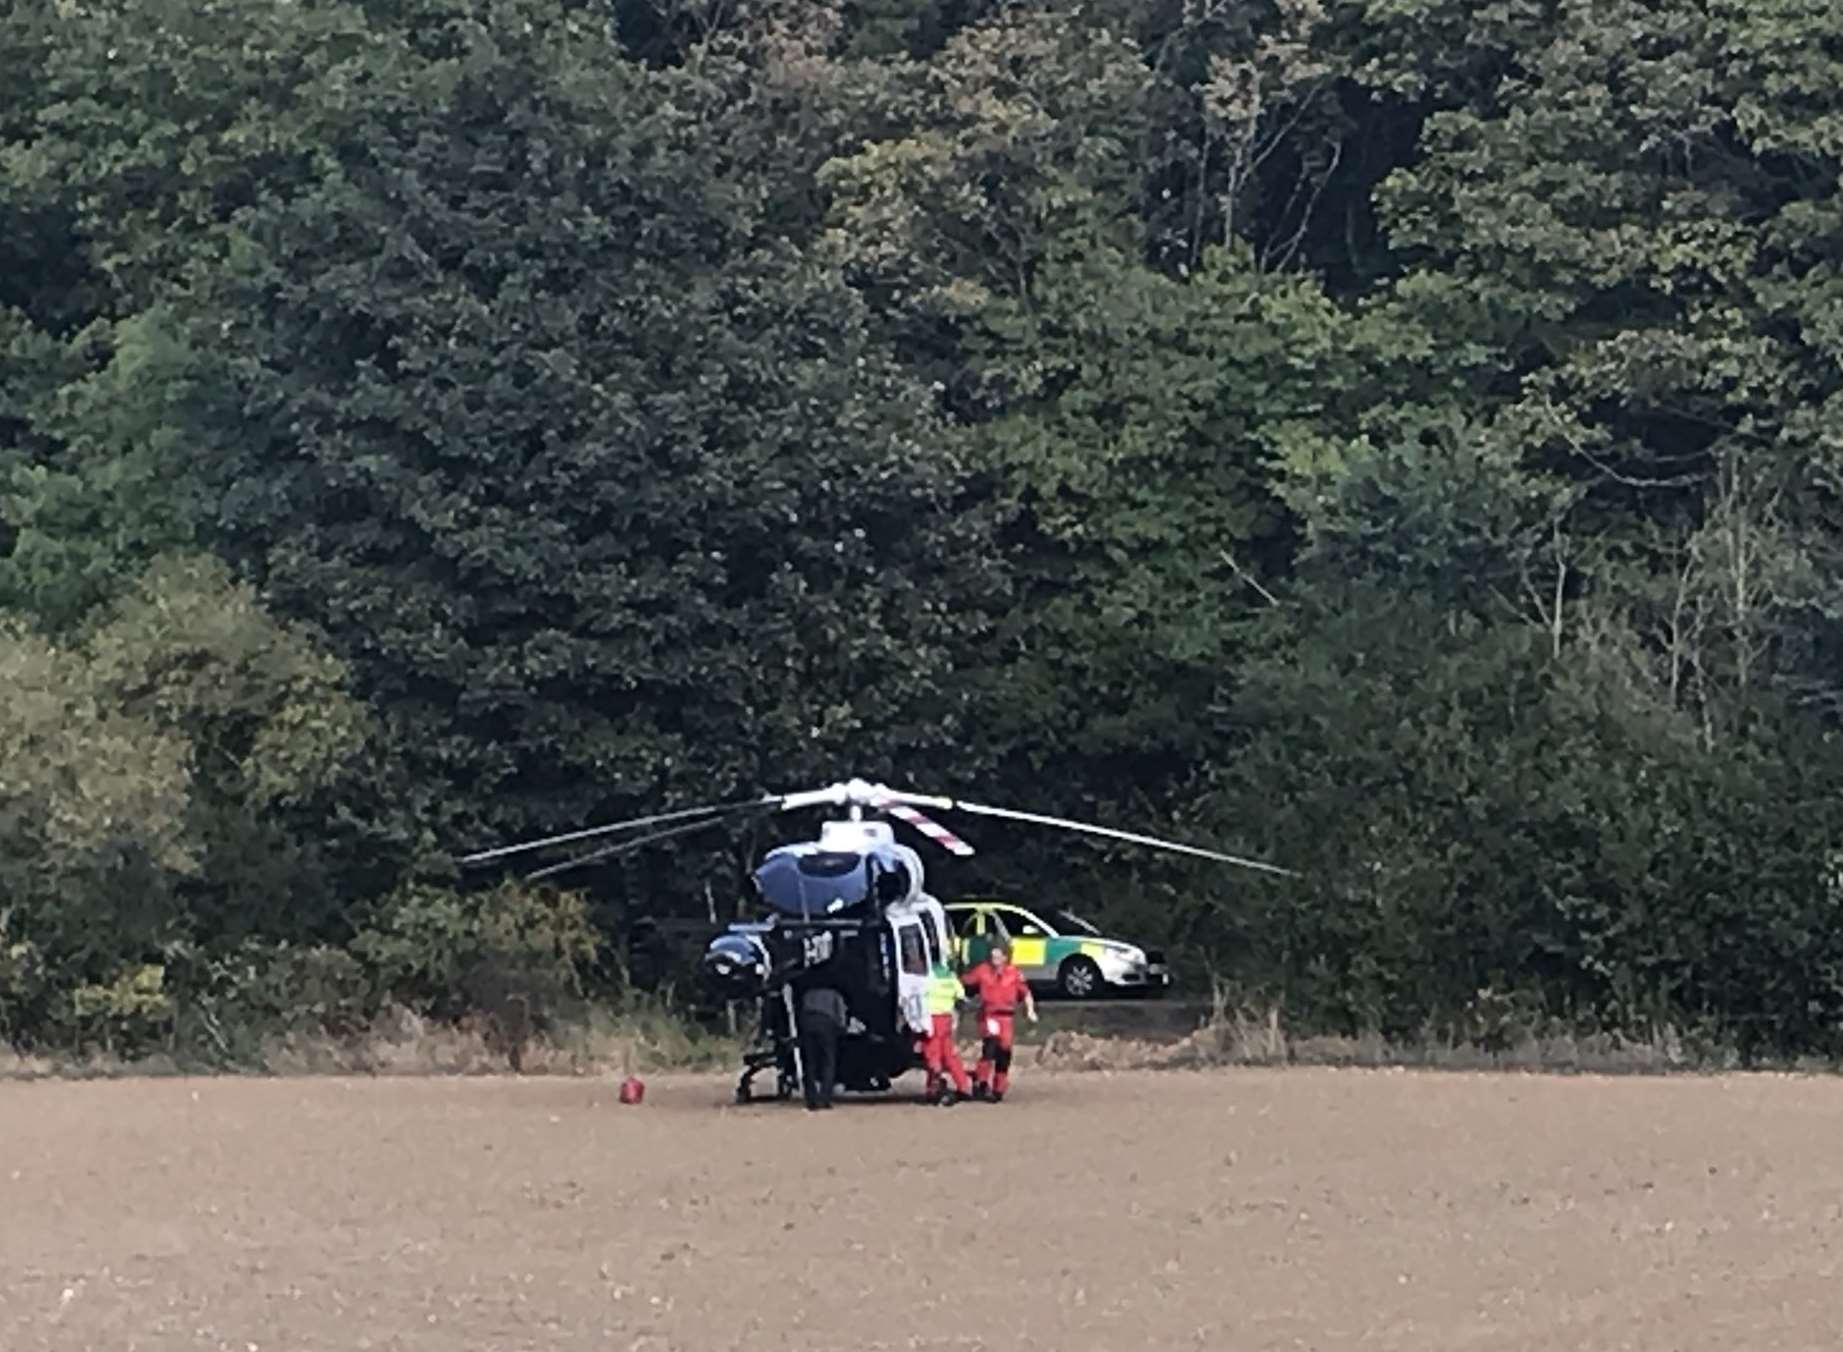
1079 979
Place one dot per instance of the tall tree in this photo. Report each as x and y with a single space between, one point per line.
603 489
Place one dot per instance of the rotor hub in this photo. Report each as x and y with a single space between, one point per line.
855 836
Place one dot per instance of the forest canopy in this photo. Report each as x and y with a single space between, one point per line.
1399 439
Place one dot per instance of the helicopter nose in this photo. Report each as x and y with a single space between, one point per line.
734 966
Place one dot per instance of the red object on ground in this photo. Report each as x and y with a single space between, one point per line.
633 1089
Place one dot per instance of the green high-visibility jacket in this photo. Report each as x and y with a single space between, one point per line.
943 991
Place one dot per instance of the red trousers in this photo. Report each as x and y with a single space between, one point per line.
994 1068
939 1053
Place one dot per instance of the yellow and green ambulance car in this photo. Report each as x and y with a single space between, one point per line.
1055 949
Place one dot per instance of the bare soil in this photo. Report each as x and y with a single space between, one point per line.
1244 1209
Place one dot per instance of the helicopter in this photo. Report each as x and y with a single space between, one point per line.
848 910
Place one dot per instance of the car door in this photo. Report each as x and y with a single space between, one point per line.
1030 940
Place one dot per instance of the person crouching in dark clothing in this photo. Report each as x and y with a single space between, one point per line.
822 1018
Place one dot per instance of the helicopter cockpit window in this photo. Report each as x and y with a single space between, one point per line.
937 948
828 864
914 956
893 884
822 882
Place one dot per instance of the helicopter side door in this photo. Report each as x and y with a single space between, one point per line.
912 969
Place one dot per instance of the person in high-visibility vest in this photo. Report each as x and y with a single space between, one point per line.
1000 988
938 1051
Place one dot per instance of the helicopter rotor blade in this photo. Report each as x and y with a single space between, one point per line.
832 795
624 847
853 793
1090 828
930 828
881 795
722 810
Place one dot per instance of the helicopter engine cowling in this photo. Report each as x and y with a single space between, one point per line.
736 966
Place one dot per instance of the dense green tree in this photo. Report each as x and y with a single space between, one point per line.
277 750
1647 246
1024 135
605 492
95 490
1480 825
169 784
1144 420
95 810
1019 141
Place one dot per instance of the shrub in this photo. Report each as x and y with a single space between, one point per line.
515 956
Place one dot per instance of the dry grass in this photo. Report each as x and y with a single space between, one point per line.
642 1037
1241 1034
647 1036
649 1039
15 1066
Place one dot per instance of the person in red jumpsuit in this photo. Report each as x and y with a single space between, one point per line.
939 1054
1000 988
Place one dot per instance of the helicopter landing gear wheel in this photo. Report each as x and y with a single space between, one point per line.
1079 979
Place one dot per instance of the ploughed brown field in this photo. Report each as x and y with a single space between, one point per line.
1239 1209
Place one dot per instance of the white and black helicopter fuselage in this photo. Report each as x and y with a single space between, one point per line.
846 911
